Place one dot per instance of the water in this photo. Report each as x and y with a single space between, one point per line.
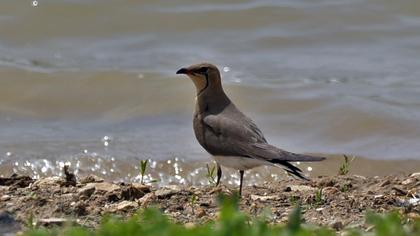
317 76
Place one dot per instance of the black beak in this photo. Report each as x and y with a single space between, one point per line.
183 71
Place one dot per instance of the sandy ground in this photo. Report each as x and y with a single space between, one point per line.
335 201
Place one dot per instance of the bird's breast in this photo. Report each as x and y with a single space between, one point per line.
199 131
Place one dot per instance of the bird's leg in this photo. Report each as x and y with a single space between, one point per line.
219 174
241 173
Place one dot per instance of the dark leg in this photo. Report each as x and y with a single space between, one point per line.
241 173
219 174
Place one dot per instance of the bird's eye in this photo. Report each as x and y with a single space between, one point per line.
203 70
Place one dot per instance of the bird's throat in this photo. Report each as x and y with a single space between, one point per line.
203 86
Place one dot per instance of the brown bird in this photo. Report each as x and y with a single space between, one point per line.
227 134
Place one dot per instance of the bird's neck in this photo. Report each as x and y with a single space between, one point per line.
214 100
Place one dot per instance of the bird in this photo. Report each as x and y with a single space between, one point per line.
233 140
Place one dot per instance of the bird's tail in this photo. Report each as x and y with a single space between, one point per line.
291 169
278 156
290 156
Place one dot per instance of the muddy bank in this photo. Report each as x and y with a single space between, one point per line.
336 201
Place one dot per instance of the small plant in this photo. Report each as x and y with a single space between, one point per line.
211 173
345 166
30 223
33 196
318 197
143 167
344 188
293 200
193 200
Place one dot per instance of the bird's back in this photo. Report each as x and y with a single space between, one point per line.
222 129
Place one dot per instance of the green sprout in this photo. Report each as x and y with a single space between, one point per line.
211 173
193 199
345 166
318 197
293 200
143 167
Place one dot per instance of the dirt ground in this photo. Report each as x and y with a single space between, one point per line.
335 201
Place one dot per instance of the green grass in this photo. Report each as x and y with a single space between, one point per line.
211 174
143 167
345 166
231 222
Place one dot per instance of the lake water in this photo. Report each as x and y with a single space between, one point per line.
92 82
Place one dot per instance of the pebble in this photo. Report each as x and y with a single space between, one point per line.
385 183
104 187
200 212
91 179
263 198
302 188
124 206
408 181
5 198
87 191
189 225
330 190
48 181
54 221
146 199
337 225
414 175
413 215
167 191
141 187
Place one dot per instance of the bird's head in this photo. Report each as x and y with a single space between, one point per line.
204 75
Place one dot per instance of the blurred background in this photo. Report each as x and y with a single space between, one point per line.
92 82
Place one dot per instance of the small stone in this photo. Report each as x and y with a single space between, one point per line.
288 189
5 198
330 190
141 187
263 198
385 183
360 177
189 225
370 228
302 188
91 179
337 225
133 191
48 181
80 208
413 201
408 181
87 191
168 191
55 222
399 191
126 206
200 212
16 181
146 199
414 216
217 189
415 175
104 187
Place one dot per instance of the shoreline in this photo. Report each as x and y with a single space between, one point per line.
338 202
